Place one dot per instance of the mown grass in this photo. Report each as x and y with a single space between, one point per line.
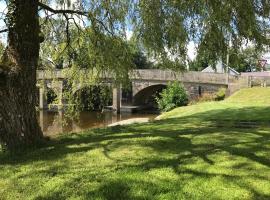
196 152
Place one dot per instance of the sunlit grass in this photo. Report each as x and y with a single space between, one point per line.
197 152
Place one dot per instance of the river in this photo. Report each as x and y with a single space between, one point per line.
54 123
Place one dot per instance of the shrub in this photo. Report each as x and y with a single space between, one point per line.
207 97
173 96
220 95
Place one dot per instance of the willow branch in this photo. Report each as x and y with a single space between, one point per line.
4 30
61 11
76 12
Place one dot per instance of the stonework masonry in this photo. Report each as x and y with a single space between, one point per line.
196 83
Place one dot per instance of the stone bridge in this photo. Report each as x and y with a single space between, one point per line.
145 83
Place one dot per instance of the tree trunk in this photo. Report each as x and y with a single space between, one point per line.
18 120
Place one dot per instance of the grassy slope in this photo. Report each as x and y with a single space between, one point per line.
248 101
192 154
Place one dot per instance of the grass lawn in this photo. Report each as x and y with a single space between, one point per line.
214 150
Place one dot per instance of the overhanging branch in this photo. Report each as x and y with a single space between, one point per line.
62 11
4 30
75 12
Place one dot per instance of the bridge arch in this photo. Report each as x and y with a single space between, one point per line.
146 96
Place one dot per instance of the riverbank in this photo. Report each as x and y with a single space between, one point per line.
130 121
213 150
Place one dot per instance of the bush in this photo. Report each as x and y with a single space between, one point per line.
173 96
207 97
220 95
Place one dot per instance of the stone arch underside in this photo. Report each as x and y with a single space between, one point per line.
146 95
144 91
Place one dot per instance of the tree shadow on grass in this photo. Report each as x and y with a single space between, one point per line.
132 188
174 136
115 189
205 123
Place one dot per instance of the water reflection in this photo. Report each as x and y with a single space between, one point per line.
53 123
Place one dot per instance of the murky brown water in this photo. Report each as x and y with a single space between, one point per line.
54 123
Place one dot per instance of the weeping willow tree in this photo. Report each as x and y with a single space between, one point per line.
163 26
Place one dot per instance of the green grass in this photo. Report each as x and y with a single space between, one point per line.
198 152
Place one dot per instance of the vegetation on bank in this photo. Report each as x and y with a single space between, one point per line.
212 150
173 96
249 100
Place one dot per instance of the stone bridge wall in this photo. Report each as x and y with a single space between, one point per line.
196 83
193 77
194 89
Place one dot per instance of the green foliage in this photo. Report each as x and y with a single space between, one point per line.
240 59
198 64
164 28
140 60
51 97
54 51
220 95
93 98
104 54
173 96
244 60
167 26
139 55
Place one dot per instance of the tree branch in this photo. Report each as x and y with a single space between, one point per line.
76 12
48 8
4 30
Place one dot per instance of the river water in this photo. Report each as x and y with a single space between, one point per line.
54 123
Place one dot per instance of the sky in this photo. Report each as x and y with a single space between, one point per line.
3 9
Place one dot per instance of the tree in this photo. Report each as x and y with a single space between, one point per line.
198 64
244 60
18 121
164 27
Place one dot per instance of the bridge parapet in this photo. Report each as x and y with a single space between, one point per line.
154 75
50 74
188 77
